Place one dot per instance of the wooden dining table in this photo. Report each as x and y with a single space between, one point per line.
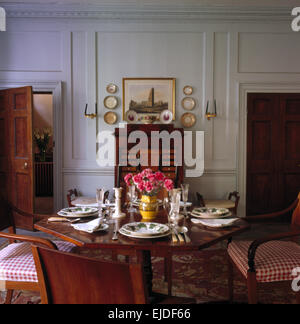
200 238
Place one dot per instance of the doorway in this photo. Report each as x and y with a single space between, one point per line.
273 151
43 152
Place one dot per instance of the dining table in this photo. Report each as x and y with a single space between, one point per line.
199 237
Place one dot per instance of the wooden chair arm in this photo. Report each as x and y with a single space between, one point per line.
255 244
255 218
29 239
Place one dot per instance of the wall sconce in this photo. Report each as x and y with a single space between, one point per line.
208 114
92 116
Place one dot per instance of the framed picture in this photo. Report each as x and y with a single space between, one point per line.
149 96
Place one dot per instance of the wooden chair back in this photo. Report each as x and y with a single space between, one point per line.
236 197
71 195
200 200
296 213
6 219
82 280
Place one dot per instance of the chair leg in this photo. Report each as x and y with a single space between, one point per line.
230 280
298 297
9 296
252 288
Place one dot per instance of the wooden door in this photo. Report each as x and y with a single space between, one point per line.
21 148
273 155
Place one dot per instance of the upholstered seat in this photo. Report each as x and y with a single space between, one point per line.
17 263
274 260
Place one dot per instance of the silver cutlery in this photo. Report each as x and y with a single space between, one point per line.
183 230
115 236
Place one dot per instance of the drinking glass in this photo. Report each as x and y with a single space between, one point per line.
185 196
100 198
132 198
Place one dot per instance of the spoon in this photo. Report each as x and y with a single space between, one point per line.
183 230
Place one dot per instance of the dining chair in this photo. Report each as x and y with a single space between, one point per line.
17 269
71 195
267 260
231 203
83 280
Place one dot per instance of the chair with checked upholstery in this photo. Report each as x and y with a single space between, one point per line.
266 260
17 268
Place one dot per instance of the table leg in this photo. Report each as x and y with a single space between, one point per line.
144 257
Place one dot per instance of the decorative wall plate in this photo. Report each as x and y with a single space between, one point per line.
111 102
110 118
188 103
188 90
166 117
188 120
111 88
132 117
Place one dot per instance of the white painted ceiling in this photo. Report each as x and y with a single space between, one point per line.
238 3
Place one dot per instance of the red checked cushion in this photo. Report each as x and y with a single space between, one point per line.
17 264
274 260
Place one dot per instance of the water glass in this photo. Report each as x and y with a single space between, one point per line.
132 198
185 195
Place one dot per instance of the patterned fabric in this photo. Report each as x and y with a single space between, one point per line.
274 260
17 263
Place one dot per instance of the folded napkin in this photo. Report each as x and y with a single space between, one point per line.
215 222
90 227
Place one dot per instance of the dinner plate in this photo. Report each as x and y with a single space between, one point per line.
187 204
211 213
215 223
125 233
63 214
145 229
80 211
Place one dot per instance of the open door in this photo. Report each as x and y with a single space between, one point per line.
16 174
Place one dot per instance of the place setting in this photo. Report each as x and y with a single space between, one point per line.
212 218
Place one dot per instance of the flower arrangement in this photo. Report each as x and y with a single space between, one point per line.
149 183
42 139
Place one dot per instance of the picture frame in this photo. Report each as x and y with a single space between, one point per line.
149 96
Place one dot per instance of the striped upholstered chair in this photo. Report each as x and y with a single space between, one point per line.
17 267
271 259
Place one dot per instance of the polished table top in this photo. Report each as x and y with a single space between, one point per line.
201 237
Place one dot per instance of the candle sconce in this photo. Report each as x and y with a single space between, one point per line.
209 114
92 116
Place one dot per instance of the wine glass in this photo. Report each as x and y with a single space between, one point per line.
100 198
185 196
132 198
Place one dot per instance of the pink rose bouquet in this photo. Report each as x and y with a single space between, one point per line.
149 182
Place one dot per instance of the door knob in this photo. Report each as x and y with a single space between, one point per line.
25 165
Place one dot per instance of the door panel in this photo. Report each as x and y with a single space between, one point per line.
273 152
21 148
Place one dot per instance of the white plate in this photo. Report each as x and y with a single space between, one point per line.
80 211
211 217
216 223
188 103
146 229
63 214
143 237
